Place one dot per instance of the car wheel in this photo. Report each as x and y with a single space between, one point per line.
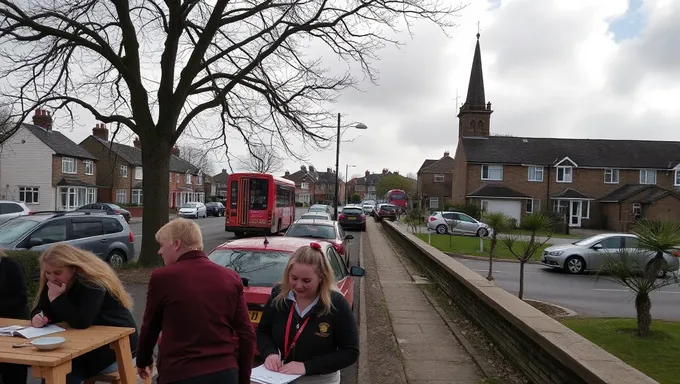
575 265
661 273
116 259
441 229
363 229
482 232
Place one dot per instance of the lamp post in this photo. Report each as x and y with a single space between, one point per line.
347 166
337 166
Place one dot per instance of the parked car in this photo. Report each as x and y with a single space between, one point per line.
352 217
316 215
367 206
215 209
464 224
327 230
12 209
592 253
107 236
193 209
321 208
109 208
385 211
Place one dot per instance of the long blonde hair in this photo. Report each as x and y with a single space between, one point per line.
89 269
314 257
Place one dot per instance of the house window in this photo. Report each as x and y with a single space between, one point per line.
677 177
637 209
68 165
89 167
564 174
121 196
91 196
70 198
304 185
177 178
611 176
533 205
585 209
137 196
535 174
492 172
28 195
139 173
438 178
199 180
187 178
647 176
434 202
123 171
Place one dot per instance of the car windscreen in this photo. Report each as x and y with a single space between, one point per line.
12 230
313 231
312 216
114 206
190 205
387 208
352 211
398 196
258 268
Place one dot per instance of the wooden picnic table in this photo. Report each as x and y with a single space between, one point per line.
54 365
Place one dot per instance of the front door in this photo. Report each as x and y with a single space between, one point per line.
575 213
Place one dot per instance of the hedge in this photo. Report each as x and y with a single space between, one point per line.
28 260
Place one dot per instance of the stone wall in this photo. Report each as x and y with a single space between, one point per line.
544 349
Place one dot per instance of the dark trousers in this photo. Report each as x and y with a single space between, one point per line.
13 373
228 376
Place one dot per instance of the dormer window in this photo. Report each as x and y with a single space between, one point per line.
564 174
187 179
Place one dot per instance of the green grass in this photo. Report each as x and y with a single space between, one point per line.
656 356
468 245
557 235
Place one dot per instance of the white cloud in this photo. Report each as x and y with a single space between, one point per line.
551 68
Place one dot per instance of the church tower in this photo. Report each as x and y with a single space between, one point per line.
475 114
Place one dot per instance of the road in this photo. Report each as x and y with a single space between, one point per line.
585 294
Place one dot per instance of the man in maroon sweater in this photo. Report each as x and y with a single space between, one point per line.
200 308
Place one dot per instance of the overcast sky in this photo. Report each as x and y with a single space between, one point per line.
557 68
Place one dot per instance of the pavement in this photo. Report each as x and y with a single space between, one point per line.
429 352
585 294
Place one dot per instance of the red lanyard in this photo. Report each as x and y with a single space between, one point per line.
288 348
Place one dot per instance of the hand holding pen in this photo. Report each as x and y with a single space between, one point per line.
39 320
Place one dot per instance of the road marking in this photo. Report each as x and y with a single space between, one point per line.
629 290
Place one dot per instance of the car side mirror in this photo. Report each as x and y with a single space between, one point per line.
35 242
597 247
349 237
357 271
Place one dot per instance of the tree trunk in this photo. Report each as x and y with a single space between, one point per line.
156 160
492 249
643 306
521 280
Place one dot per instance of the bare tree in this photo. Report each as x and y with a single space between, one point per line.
262 159
198 157
160 69
6 125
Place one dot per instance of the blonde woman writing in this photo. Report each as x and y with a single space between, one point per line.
80 289
307 327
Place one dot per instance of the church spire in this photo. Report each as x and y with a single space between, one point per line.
474 117
475 94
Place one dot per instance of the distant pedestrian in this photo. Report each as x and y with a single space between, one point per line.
307 327
200 308
13 305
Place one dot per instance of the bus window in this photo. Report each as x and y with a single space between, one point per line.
234 195
282 197
259 191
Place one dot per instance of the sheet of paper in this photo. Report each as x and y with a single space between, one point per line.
264 376
10 331
31 332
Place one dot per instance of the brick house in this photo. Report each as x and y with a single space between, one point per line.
312 186
366 186
45 169
220 184
435 181
594 183
121 174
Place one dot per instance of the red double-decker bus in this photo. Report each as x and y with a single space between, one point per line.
398 198
259 203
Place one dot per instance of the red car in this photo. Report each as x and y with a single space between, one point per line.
325 230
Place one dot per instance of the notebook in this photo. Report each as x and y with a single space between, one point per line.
262 375
30 332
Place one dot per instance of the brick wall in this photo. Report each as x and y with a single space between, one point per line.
57 173
108 171
460 174
666 208
428 187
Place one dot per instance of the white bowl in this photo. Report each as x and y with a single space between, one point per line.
48 343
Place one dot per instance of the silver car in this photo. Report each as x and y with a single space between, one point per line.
592 253
107 236
316 215
464 224
194 210
12 209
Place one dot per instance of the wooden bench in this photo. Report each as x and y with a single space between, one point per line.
114 378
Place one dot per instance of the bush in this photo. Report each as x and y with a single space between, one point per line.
28 260
469 209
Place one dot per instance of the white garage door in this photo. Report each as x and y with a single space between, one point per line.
512 208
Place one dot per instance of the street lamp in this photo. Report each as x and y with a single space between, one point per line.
346 172
337 166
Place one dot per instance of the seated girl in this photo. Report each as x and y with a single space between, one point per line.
80 289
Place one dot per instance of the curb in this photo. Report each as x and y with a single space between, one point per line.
363 371
481 258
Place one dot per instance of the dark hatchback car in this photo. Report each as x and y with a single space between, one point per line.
214 209
109 208
352 217
386 211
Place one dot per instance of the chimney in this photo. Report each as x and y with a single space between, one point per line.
287 174
385 171
311 169
175 151
101 132
303 168
42 118
368 173
446 153
329 170
138 144
396 173
224 171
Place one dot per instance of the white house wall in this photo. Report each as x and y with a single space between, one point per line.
27 162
